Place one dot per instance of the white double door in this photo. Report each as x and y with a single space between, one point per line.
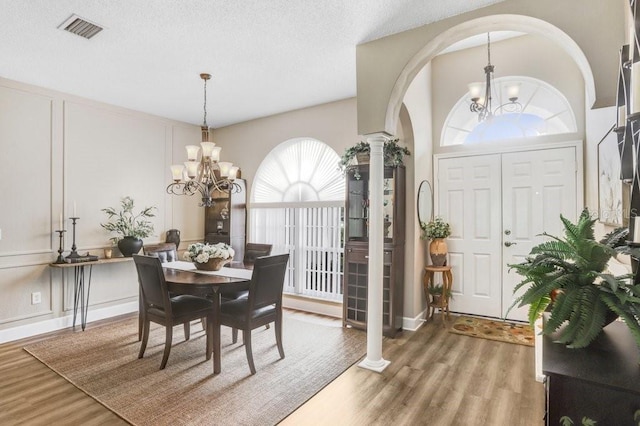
497 206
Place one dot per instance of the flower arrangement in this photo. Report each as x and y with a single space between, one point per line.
436 228
126 223
202 253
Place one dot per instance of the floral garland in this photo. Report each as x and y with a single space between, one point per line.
201 253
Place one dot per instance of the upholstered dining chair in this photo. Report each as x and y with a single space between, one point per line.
255 250
251 252
262 306
163 309
166 252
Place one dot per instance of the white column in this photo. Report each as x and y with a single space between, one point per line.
374 360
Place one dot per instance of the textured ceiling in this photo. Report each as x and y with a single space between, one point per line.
266 56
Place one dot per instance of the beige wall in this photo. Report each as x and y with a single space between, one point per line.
247 144
418 102
591 31
57 149
528 55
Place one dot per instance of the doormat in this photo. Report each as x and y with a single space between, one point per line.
502 331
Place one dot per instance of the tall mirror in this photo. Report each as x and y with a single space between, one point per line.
425 202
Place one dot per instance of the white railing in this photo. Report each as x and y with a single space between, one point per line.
313 238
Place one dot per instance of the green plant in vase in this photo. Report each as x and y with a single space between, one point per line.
130 227
436 231
437 291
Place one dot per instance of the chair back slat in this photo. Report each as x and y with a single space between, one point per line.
152 284
267 281
253 250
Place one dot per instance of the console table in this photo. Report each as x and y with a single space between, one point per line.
601 382
82 284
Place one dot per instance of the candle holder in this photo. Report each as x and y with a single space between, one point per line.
74 254
60 259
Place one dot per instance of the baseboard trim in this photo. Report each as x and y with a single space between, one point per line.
412 324
301 303
60 323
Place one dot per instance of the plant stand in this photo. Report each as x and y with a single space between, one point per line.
447 283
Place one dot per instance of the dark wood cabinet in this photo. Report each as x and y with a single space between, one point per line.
226 220
357 248
601 382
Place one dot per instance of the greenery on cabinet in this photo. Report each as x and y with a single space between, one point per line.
568 277
393 154
436 228
125 223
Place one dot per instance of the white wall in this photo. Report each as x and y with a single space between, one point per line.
57 149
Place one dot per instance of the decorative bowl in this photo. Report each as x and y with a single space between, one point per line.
213 264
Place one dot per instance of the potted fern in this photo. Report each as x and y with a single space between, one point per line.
567 277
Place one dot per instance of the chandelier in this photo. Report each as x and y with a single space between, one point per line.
483 106
207 175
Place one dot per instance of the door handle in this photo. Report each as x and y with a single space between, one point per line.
509 243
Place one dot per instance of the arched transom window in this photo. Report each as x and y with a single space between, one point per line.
299 170
545 111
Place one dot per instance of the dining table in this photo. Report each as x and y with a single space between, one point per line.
183 278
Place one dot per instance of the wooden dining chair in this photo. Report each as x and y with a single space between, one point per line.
166 252
262 306
163 309
251 252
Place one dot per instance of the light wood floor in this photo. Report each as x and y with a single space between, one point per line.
435 378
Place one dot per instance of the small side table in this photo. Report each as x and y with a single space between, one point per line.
447 283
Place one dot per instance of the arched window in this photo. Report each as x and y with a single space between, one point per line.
545 111
297 203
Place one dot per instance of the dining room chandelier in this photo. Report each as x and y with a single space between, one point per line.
208 174
483 106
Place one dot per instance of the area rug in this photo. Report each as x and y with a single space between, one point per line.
103 362
502 331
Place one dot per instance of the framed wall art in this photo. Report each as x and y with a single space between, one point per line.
611 207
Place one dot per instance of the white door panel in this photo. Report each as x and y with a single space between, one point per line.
537 187
468 191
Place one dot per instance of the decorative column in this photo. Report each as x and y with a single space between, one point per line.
374 360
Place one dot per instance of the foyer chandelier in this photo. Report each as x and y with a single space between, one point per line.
483 106
207 175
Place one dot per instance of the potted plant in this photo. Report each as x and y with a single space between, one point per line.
129 226
436 230
568 278
209 257
436 293
393 155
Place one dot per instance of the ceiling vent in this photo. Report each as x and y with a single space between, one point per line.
80 26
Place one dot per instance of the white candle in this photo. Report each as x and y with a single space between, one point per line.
75 211
61 228
636 229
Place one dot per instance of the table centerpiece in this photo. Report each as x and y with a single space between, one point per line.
209 257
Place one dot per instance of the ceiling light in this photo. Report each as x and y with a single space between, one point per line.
208 174
482 105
